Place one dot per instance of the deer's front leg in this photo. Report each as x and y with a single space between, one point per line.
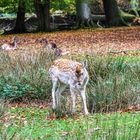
84 101
73 99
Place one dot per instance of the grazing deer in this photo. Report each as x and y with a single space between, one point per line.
63 73
50 45
10 46
57 51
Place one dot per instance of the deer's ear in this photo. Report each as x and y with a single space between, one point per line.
85 63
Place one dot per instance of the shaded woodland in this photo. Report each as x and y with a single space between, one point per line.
47 15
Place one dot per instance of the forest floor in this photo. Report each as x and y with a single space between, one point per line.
116 41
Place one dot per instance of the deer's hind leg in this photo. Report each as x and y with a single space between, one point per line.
54 86
59 90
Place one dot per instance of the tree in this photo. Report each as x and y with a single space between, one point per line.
8 6
112 12
43 14
20 25
83 11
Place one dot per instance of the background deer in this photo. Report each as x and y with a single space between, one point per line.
10 46
63 73
50 45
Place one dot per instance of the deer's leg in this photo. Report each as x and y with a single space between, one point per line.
54 86
60 89
84 101
72 91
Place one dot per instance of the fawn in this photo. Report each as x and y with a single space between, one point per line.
10 46
65 72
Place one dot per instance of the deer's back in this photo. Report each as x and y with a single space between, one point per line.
66 65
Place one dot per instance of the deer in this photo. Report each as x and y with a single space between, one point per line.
10 46
69 73
50 45
53 46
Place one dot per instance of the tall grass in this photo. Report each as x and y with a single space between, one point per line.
25 74
114 82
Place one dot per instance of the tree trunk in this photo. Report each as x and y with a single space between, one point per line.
39 11
112 12
20 25
47 15
83 13
43 14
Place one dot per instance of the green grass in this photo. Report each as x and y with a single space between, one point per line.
114 82
32 123
114 85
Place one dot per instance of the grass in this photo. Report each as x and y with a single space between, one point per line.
24 74
34 123
114 81
114 85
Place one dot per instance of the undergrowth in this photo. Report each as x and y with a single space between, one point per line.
113 85
24 74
